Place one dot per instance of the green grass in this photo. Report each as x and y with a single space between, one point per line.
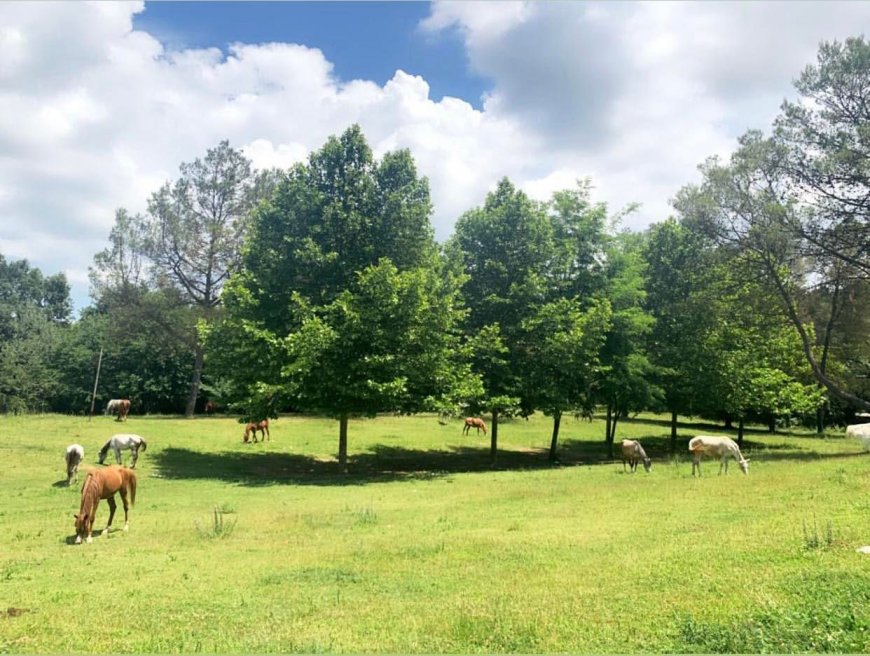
424 547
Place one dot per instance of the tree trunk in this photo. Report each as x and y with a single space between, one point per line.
729 423
607 425
195 380
820 420
740 432
771 425
342 442
612 432
493 438
557 419
673 431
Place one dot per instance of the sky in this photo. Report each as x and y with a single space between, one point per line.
101 102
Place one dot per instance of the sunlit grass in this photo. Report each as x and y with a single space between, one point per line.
425 547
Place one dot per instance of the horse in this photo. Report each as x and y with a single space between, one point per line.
210 407
251 429
474 422
123 441
73 457
120 407
103 484
723 448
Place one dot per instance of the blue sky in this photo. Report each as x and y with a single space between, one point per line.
363 40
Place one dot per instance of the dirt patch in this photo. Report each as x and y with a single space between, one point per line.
12 611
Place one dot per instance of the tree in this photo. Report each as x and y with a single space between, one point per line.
193 233
342 306
626 381
34 312
679 276
559 348
505 248
826 154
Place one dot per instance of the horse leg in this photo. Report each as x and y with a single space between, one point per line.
123 491
134 450
117 451
112 506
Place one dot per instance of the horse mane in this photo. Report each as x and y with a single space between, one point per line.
90 493
143 443
105 448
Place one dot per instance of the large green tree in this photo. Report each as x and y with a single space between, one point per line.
342 306
505 248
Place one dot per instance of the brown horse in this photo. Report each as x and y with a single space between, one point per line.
103 484
254 426
474 422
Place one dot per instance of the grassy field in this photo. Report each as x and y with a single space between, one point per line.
423 547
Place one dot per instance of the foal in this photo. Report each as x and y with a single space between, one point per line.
74 455
474 422
104 484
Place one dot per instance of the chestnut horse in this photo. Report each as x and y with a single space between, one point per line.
252 428
104 484
474 422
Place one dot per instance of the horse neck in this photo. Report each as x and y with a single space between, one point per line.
91 494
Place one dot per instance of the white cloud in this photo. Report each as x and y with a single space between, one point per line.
97 115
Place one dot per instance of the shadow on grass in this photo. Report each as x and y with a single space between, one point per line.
385 463
381 464
62 483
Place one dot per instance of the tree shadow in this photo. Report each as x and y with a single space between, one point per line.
387 463
718 428
381 464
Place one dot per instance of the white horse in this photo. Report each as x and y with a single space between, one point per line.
632 453
123 441
860 432
721 447
74 455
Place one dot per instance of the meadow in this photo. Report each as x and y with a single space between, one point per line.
424 547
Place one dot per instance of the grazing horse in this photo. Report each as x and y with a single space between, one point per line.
723 448
254 426
474 422
210 407
632 453
120 407
103 484
74 455
123 441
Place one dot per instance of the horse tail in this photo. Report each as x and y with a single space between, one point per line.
131 484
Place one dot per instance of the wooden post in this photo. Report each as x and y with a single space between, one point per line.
96 381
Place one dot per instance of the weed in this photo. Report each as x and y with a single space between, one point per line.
812 539
219 528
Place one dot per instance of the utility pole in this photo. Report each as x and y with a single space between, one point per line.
96 380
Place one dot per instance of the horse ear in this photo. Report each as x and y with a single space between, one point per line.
75 516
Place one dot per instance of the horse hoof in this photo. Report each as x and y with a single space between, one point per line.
78 539
89 540
126 528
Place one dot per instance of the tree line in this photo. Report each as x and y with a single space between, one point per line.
322 289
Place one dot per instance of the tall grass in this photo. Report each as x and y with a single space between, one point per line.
425 547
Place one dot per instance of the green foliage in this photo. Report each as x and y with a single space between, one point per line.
342 307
